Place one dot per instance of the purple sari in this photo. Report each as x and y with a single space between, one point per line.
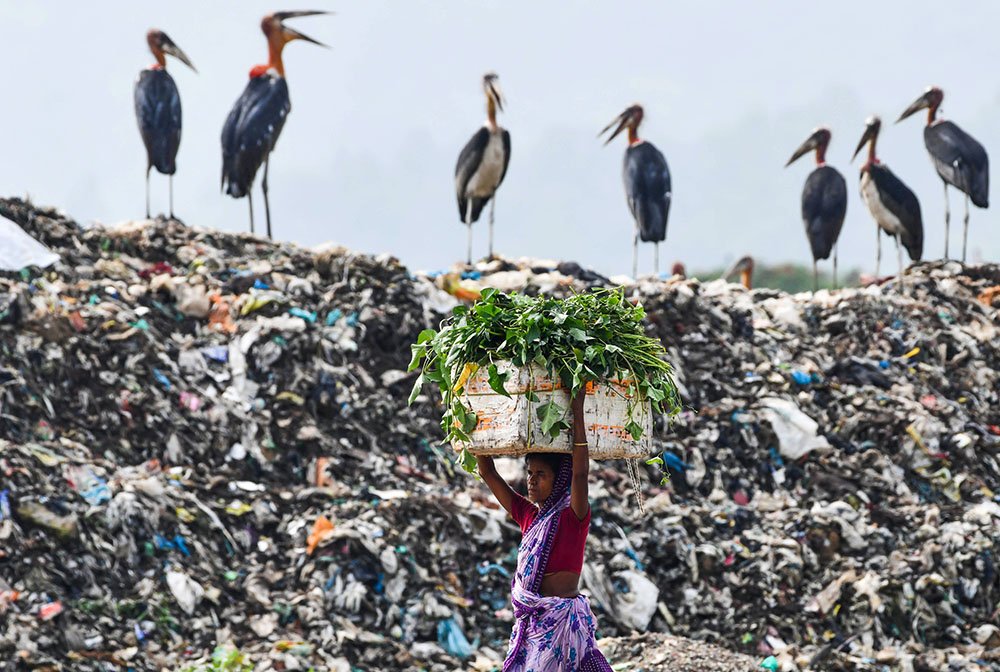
551 634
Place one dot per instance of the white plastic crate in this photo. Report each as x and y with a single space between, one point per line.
510 426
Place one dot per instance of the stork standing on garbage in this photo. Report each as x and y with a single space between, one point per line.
893 206
647 185
255 122
158 110
743 266
824 202
482 164
958 158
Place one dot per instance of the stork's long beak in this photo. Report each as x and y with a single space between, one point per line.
621 120
292 34
170 48
806 147
497 94
869 132
920 103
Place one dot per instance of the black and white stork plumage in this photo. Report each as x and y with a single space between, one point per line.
824 202
647 185
893 206
482 164
255 122
158 110
959 159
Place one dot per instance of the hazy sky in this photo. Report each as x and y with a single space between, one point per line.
368 154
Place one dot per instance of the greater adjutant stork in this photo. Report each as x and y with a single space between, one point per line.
893 206
824 202
647 185
959 159
158 110
256 120
482 164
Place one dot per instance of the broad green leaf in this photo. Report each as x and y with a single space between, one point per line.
417 354
551 416
634 428
468 461
655 460
415 392
497 380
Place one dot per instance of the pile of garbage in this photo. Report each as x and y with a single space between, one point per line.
205 441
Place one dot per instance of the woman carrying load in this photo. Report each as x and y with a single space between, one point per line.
554 627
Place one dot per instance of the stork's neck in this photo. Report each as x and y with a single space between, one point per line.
932 114
633 135
161 59
275 46
821 155
872 160
491 113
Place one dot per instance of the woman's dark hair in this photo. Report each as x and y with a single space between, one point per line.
553 460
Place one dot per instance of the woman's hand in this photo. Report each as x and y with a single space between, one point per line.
485 464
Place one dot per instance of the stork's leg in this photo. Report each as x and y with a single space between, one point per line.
171 197
878 249
250 201
835 267
965 234
147 191
267 206
947 219
815 278
492 205
635 254
899 255
656 258
468 227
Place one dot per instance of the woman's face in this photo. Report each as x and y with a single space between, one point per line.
539 478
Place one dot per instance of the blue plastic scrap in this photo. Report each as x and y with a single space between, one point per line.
801 377
333 316
161 379
487 567
217 353
306 315
452 639
674 462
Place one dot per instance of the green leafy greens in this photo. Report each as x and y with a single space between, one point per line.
587 337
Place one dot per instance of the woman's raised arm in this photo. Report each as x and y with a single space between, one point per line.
579 496
499 487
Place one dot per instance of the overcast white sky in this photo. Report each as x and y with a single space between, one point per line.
367 156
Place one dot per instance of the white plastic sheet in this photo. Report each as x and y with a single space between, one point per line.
18 249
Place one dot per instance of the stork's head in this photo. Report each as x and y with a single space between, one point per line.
930 99
161 44
491 86
278 34
819 140
630 119
872 126
743 266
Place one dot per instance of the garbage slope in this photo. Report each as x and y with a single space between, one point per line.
205 439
